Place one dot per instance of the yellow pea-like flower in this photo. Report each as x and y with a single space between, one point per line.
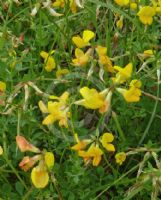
123 74
104 60
91 98
81 59
119 23
49 61
94 153
148 53
81 144
133 93
120 158
146 14
61 72
122 2
39 176
83 41
57 110
2 86
106 140
49 159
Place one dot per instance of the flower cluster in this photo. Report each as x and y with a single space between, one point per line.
57 110
45 160
94 152
58 4
145 13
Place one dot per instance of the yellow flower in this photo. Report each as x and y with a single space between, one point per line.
42 107
2 86
122 2
94 100
81 58
40 176
123 74
85 156
146 14
133 6
148 53
1 150
106 140
84 41
120 157
2 93
73 6
58 110
61 3
49 159
81 144
133 93
102 51
135 83
94 153
104 59
119 23
48 61
158 10
61 72
157 6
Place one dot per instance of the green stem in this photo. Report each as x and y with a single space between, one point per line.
14 171
115 182
56 186
109 165
152 116
121 133
28 193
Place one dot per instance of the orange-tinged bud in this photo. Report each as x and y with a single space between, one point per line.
24 145
28 162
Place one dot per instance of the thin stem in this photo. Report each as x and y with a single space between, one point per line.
15 172
54 181
152 116
109 165
121 133
115 182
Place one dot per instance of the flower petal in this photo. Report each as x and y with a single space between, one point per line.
1 150
48 120
109 147
78 53
49 159
78 41
24 145
120 157
39 177
96 160
107 137
42 107
88 35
